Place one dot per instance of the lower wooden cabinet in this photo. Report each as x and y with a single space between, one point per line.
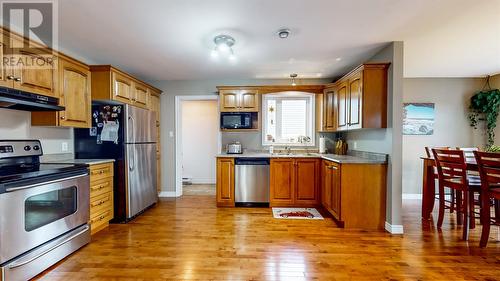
225 182
354 194
294 182
101 196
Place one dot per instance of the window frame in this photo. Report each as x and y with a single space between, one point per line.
284 95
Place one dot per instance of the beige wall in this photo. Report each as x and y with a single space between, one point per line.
15 124
200 130
451 128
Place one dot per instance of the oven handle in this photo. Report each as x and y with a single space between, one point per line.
11 189
11 266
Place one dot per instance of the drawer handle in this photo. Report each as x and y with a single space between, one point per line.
98 187
98 219
99 203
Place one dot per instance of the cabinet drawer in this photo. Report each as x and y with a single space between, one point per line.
100 187
101 203
101 171
100 219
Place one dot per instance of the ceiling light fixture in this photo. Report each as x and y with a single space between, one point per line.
283 33
224 45
293 76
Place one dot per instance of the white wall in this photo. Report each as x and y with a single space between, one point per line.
199 140
15 124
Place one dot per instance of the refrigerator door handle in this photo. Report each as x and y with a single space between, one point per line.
132 158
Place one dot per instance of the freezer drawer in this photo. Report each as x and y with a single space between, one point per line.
251 180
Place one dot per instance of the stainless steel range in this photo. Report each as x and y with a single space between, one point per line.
44 210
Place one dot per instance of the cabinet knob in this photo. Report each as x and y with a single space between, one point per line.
17 79
10 77
62 117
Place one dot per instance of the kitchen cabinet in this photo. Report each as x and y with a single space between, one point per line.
154 105
239 101
74 95
329 119
362 98
282 181
225 182
294 182
101 196
354 194
110 83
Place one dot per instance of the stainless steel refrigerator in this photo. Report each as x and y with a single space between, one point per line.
127 134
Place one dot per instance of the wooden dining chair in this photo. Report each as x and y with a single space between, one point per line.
489 171
449 204
469 157
452 173
469 152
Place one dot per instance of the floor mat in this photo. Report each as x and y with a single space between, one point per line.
297 213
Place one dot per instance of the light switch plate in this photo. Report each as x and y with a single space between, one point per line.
171 134
64 146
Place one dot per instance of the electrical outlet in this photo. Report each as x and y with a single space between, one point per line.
64 146
355 144
171 134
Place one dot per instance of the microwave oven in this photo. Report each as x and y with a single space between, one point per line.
236 120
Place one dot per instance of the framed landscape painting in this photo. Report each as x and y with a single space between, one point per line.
418 118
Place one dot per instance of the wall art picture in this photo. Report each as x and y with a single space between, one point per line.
418 118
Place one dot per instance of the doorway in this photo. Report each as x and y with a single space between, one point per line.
197 144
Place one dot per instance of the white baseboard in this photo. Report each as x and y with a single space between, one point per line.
202 181
412 196
167 194
394 229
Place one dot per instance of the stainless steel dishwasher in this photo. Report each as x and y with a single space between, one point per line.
251 181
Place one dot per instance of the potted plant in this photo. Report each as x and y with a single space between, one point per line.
485 105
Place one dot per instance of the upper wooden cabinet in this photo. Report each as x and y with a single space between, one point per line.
32 70
74 95
239 100
359 99
294 182
110 83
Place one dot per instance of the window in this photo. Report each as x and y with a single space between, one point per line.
288 119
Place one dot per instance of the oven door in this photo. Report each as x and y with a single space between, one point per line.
33 214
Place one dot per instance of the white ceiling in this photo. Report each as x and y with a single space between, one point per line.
172 39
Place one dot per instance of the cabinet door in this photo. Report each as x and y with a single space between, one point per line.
355 101
225 182
335 190
248 101
74 95
326 185
158 172
154 105
342 106
329 110
39 73
122 87
282 182
141 95
307 173
229 101
6 77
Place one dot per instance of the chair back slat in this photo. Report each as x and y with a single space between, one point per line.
489 168
451 167
428 150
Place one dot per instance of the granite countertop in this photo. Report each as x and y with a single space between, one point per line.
345 159
82 161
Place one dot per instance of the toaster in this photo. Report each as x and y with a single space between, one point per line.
234 148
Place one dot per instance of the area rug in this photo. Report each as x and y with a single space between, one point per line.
297 213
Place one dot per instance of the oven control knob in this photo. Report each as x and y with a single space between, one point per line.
27 148
36 147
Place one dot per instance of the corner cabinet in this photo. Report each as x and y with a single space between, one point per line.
239 101
74 95
358 100
354 194
154 105
294 182
225 182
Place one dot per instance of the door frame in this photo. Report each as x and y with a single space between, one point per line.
178 135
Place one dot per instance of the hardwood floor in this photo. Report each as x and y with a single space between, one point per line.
190 239
198 189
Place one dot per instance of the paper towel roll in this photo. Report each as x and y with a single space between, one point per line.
322 145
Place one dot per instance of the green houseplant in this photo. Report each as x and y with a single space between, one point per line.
485 105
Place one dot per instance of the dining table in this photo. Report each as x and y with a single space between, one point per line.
429 183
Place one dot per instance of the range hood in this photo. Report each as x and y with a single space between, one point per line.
21 100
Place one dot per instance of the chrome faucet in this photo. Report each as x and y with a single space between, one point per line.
288 149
